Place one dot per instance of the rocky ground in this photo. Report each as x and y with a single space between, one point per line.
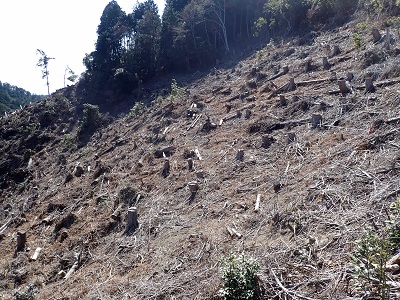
325 165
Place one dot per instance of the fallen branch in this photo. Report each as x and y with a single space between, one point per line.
286 290
74 266
281 88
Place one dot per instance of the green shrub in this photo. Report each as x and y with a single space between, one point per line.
357 38
137 110
239 274
372 252
91 116
177 93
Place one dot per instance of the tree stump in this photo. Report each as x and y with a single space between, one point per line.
21 240
190 163
133 223
376 35
292 85
344 89
240 154
326 63
257 205
350 76
166 168
316 120
335 51
277 186
247 114
369 86
388 38
193 188
307 65
285 69
266 141
282 100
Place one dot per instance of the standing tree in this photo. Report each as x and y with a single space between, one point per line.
44 63
71 75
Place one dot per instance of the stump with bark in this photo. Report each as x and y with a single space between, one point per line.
133 223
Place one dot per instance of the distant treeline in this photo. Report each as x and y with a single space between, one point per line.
192 34
11 97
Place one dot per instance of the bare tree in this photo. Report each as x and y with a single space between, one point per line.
43 63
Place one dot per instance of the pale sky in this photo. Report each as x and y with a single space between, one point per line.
65 30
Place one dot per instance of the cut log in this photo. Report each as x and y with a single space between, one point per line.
282 87
21 240
257 205
376 35
344 89
133 223
369 86
117 213
74 266
240 154
190 163
326 63
166 168
193 186
316 120
233 232
36 254
166 151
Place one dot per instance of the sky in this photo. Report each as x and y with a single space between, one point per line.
64 30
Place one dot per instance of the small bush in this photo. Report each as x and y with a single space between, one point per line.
29 294
177 93
91 116
239 273
137 110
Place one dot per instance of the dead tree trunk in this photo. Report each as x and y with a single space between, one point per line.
376 35
133 223
388 38
21 240
369 86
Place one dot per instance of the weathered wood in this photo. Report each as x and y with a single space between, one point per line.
162 152
240 154
376 35
74 266
197 153
316 120
133 223
389 121
233 232
117 213
21 240
36 254
284 71
344 89
307 65
194 122
369 86
326 63
314 81
282 87
257 205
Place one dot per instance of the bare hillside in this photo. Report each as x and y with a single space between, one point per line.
325 163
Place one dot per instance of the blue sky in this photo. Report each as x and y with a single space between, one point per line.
65 30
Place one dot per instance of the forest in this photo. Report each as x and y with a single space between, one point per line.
190 35
11 97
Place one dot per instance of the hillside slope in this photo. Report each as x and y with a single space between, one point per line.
325 164
12 97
